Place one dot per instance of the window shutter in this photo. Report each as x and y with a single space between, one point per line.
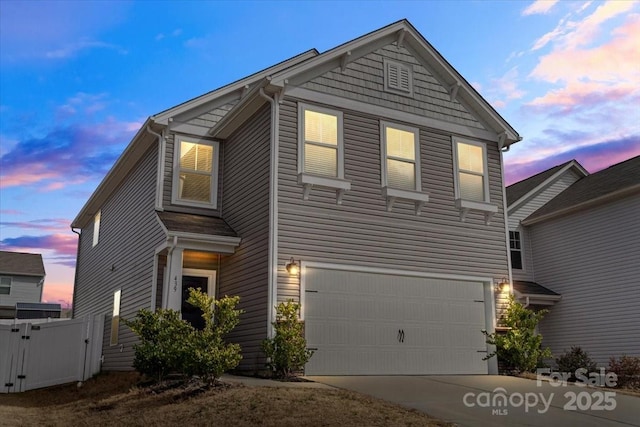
398 77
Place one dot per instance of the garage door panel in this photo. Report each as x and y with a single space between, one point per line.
365 323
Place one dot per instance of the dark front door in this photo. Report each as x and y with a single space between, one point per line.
190 313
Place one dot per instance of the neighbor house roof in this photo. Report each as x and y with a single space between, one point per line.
21 264
616 181
521 189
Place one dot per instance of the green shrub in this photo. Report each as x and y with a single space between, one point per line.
574 359
163 345
169 344
287 351
520 347
209 356
627 369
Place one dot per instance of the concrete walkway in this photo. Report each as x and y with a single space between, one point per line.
469 400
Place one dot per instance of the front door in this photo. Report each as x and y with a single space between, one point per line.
190 313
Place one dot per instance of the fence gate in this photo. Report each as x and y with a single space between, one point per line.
35 355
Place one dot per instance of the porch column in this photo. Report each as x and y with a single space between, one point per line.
174 284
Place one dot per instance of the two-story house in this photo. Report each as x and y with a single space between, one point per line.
21 281
364 182
575 249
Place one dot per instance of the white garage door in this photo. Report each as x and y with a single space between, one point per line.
379 324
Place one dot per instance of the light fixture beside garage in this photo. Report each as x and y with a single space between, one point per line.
293 268
502 285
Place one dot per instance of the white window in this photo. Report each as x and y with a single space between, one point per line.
96 228
5 285
398 77
195 178
115 317
400 149
472 182
320 144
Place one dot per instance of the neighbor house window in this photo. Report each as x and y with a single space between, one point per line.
472 181
398 77
5 285
96 228
515 248
115 317
320 145
196 172
400 157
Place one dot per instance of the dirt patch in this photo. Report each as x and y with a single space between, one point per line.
118 397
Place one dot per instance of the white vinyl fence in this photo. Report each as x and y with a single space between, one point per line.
35 355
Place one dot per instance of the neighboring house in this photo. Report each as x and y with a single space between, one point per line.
575 248
21 281
364 182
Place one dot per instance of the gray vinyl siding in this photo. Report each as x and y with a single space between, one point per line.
591 259
122 259
211 118
361 231
527 208
23 289
246 210
363 80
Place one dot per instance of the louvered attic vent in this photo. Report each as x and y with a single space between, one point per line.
398 78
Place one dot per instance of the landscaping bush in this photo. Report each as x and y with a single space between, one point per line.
169 344
163 345
628 371
520 347
209 356
287 351
574 359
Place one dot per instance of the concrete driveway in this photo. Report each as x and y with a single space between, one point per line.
491 400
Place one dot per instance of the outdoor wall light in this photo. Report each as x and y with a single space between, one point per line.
292 267
502 285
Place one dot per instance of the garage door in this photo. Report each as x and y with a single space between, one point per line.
379 324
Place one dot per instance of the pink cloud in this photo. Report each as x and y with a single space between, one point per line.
51 225
11 212
62 246
58 293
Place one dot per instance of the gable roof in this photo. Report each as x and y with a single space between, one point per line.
400 32
21 264
617 181
520 191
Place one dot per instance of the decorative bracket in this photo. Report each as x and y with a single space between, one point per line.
306 190
501 139
392 194
344 60
453 91
390 202
308 181
280 95
465 206
401 34
245 89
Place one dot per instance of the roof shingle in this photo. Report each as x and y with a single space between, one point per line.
21 264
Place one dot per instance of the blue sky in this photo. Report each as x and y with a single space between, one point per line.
77 79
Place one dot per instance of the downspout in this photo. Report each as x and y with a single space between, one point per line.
272 285
75 276
167 280
161 159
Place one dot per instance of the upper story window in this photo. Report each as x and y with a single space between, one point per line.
398 77
321 144
96 228
515 248
472 181
5 285
401 157
195 178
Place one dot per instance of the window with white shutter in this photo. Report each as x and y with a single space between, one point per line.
398 78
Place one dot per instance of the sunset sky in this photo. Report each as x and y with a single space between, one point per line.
77 79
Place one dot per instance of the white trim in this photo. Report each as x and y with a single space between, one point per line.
154 282
384 125
302 107
162 153
505 220
215 171
485 175
211 276
390 114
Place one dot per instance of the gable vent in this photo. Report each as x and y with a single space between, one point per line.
398 78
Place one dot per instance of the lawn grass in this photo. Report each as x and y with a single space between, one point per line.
117 399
